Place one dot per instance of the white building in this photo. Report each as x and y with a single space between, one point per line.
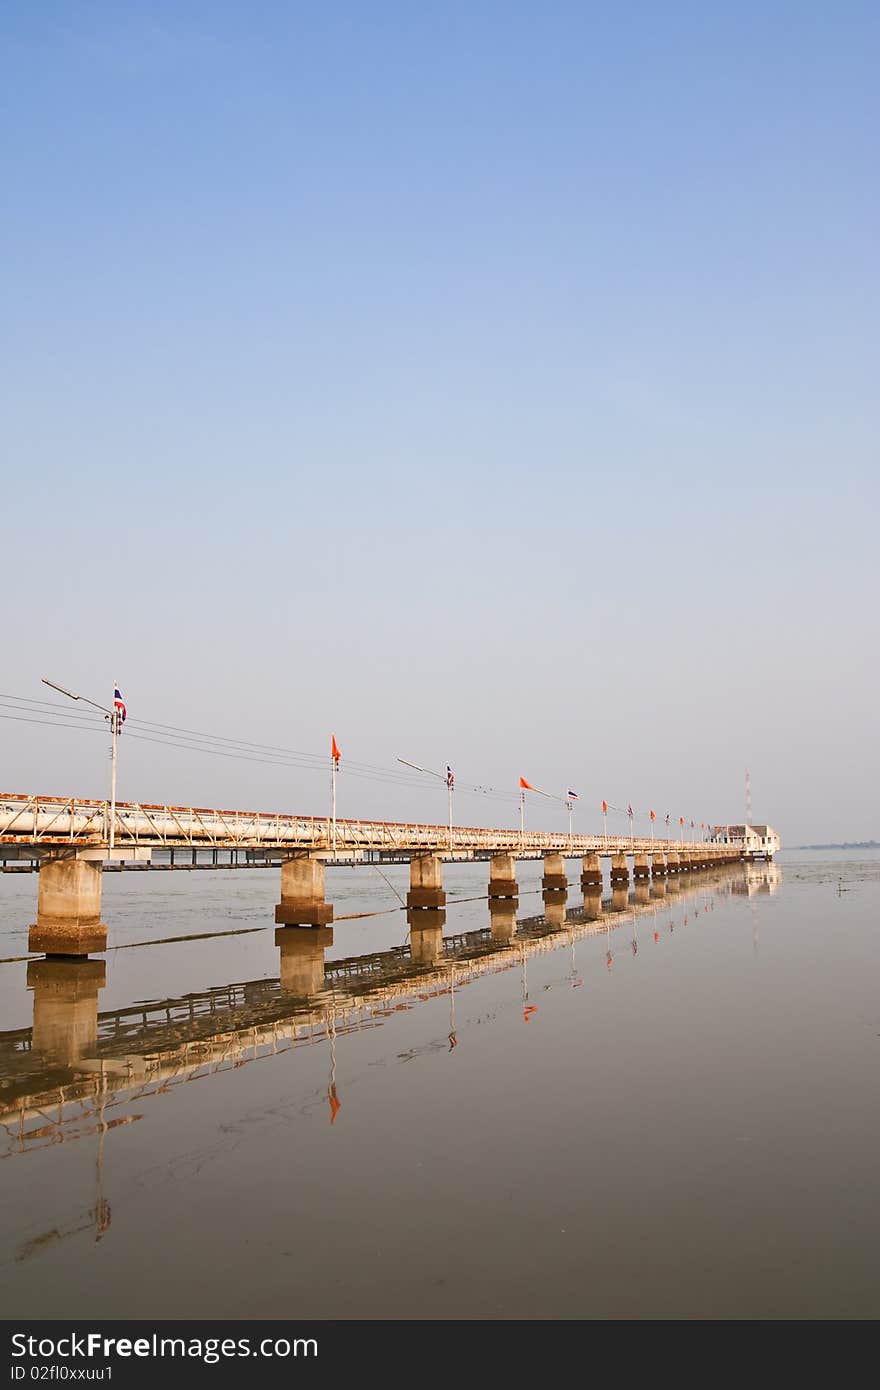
755 841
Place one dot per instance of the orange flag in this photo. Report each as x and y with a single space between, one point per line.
526 786
604 808
334 749
653 817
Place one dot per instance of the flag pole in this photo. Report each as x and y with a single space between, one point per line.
522 820
570 832
333 801
114 734
449 787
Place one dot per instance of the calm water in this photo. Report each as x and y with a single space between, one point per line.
670 1111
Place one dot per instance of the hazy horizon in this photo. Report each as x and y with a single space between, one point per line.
492 386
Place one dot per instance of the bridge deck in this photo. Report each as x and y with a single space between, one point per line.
44 822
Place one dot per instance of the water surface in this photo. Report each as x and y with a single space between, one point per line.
668 1111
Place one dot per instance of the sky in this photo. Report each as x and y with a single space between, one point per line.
491 384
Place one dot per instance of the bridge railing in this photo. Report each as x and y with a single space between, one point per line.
44 822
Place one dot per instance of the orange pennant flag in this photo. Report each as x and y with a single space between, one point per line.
653 817
334 749
526 786
604 808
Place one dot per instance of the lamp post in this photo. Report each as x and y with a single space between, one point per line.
115 718
449 779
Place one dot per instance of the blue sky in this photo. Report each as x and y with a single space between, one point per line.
488 383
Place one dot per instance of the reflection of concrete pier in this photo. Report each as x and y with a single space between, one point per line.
65 1007
75 1059
301 953
425 934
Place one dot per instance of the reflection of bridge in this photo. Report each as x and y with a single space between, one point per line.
72 839
57 1075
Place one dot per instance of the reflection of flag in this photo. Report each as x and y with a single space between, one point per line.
335 1103
334 749
526 786
450 776
572 796
653 817
604 808
119 706
529 1008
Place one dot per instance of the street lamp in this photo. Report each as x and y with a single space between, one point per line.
448 778
115 717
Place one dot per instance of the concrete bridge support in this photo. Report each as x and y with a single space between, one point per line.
555 878
640 866
302 893
68 909
302 958
425 934
65 1007
502 919
658 864
619 869
591 872
425 882
502 877
672 862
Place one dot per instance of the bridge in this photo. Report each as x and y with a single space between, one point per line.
70 840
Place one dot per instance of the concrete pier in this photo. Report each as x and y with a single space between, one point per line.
65 1007
641 868
425 934
425 882
502 919
68 909
672 862
619 869
502 877
591 872
555 877
658 864
302 958
302 893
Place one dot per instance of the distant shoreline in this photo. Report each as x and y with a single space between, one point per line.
849 844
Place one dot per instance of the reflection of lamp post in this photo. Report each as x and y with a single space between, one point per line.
116 717
449 779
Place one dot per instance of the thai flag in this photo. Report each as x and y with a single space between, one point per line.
119 706
572 796
450 776
629 812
